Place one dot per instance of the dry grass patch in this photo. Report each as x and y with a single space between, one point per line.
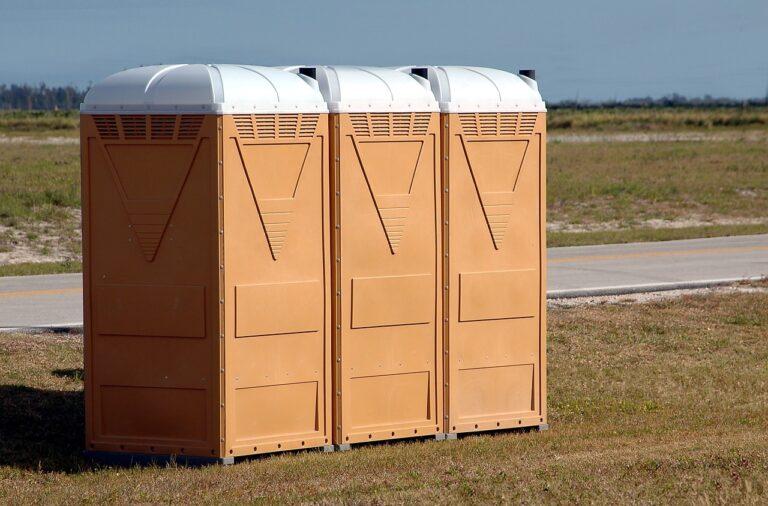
626 119
40 123
658 402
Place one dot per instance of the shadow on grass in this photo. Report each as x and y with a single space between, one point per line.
42 430
72 374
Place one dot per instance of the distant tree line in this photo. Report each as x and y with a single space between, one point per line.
48 98
673 100
40 97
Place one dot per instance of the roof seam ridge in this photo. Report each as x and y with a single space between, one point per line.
159 75
251 69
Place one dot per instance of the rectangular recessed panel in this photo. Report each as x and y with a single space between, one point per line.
494 391
278 308
279 358
389 400
150 310
160 361
392 300
156 413
276 410
498 295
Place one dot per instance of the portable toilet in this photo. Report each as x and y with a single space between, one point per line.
206 264
385 178
494 248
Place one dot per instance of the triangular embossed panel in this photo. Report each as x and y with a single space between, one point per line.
150 178
495 168
273 172
389 169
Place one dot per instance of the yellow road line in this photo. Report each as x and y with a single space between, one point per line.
652 254
32 293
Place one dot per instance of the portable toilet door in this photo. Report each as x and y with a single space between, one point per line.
494 261
387 280
206 262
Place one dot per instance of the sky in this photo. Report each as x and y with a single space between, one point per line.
581 49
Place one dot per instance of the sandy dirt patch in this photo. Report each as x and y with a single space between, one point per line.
41 242
56 141
612 226
643 298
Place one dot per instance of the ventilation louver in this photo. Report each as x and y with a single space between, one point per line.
388 124
497 123
142 127
271 126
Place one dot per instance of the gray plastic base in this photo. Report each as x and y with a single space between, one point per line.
543 426
450 436
328 448
143 459
343 447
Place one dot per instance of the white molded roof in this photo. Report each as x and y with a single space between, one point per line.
370 89
479 89
207 89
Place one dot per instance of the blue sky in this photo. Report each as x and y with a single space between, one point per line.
588 49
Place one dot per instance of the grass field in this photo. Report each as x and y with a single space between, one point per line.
37 268
39 205
40 123
628 184
598 192
658 402
622 119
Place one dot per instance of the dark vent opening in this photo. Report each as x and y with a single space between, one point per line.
162 126
529 73
309 72
106 126
421 72
134 126
190 126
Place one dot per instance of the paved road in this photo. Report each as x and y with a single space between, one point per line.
32 301
55 300
638 267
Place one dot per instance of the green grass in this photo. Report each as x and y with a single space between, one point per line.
664 402
40 123
628 182
556 239
40 197
38 182
656 119
35 268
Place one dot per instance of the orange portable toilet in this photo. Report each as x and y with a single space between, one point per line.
385 204
494 262
206 243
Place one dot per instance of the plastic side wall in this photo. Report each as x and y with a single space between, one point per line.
151 283
387 279
494 181
276 282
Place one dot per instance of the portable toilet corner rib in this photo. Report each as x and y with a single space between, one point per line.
385 194
206 262
494 264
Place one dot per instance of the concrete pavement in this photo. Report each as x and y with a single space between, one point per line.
41 301
56 300
653 266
